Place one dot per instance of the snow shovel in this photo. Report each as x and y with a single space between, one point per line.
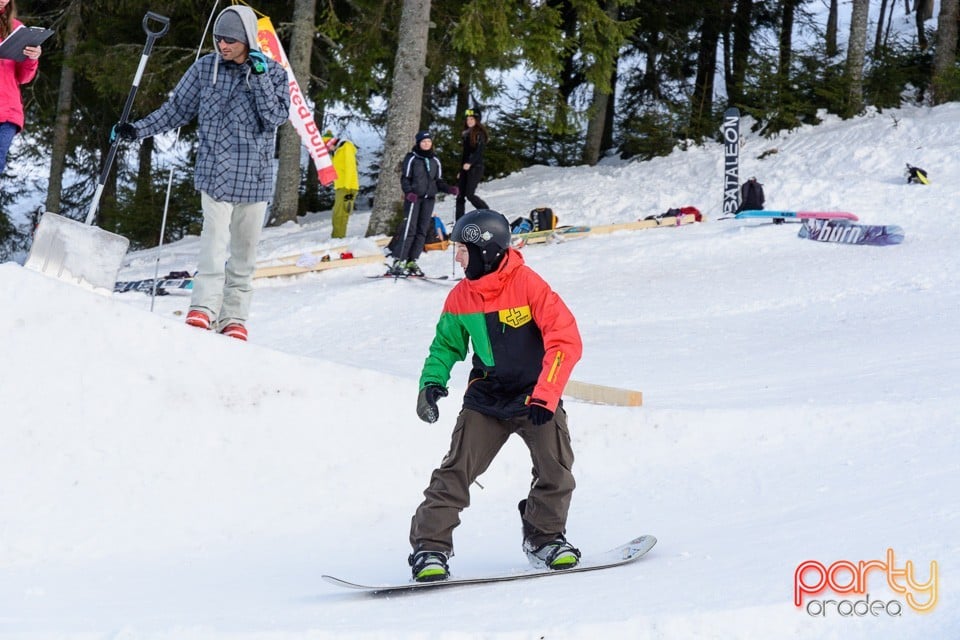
79 252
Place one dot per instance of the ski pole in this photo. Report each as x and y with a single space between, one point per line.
406 231
151 38
166 200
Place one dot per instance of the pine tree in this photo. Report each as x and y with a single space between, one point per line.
404 110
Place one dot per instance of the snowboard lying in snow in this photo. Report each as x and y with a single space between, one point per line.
796 215
633 550
844 232
174 282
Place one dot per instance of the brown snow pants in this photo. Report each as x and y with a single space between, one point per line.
476 440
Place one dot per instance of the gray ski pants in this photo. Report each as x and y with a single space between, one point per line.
223 285
476 440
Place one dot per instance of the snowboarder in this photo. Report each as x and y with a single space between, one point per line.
421 178
916 175
525 343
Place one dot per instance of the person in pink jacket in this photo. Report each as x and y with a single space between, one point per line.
12 75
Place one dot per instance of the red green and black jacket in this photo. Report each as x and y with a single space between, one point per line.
525 340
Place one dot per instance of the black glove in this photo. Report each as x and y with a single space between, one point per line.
257 62
427 402
124 131
539 414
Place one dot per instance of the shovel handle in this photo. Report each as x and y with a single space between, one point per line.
148 47
164 20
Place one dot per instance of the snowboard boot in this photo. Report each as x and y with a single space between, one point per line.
554 553
429 566
396 269
413 270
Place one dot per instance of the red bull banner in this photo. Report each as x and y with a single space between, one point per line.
301 116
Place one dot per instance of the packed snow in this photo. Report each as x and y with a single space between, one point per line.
800 404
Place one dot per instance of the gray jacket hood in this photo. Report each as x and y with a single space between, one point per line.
249 20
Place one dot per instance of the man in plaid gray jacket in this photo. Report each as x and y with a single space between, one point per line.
239 97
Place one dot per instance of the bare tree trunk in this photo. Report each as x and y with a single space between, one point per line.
878 41
606 140
831 43
856 51
599 111
701 103
284 208
924 11
403 112
741 50
946 51
61 126
595 127
786 41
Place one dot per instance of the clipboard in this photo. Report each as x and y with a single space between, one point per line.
12 47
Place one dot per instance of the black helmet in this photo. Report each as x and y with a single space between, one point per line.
487 236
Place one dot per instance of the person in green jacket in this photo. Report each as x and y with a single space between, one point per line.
525 343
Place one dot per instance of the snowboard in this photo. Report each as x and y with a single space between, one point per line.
165 285
626 553
559 234
731 160
796 215
390 276
844 232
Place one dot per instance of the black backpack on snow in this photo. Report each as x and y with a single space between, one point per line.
751 196
540 219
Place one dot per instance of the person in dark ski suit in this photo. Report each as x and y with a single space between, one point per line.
421 178
238 97
474 138
525 344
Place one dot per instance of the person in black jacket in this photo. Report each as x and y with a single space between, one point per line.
421 177
471 162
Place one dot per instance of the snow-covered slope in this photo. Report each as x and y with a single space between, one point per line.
800 404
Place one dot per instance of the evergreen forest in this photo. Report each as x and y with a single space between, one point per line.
559 82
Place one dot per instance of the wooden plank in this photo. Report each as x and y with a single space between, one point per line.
316 253
600 394
667 221
636 225
292 269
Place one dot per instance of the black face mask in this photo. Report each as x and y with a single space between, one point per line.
480 264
